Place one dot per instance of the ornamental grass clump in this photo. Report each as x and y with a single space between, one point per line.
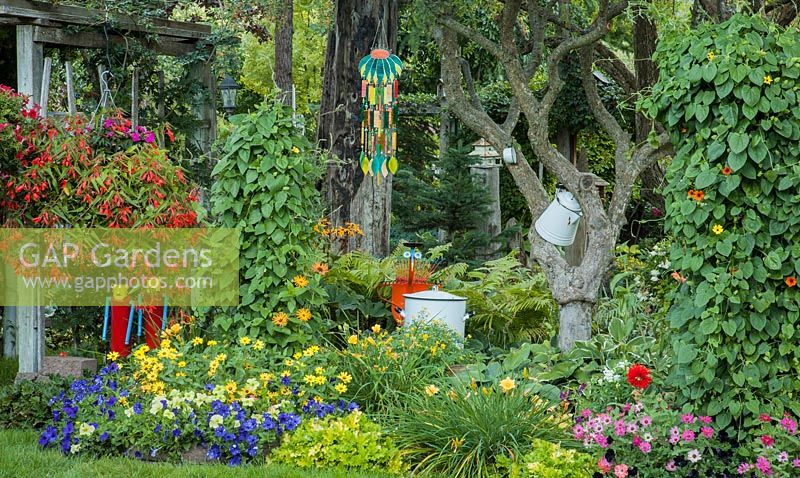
463 430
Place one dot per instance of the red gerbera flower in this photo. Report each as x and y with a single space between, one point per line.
639 376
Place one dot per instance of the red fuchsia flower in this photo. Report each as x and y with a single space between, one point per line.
639 376
767 441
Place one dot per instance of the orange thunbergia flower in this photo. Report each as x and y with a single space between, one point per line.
699 195
791 281
678 277
280 319
727 170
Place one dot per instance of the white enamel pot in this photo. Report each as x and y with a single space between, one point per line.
431 305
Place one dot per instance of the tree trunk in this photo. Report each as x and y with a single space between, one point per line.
284 30
644 45
575 323
352 197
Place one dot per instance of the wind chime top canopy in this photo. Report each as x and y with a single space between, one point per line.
380 67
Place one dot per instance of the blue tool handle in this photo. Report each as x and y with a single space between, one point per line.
164 315
130 326
139 332
105 318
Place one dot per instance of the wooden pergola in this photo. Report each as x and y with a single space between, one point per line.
40 24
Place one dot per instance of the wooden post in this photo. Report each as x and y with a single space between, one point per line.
204 106
29 64
45 94
488 175
30 339
135 98
71 107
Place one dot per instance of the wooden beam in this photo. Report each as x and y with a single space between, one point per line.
29 64
54 36
32 10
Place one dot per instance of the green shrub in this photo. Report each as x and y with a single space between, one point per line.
8 370
511 303
550 460
26 404
352 441
264 184
728 93
462 432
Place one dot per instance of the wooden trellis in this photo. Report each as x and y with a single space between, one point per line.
40 24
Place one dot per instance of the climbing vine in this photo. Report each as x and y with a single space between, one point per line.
728 94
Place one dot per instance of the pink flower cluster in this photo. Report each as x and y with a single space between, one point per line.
771 458
632 434
123 127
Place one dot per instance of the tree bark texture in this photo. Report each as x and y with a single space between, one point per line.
284 30
575 287
351 196
645 37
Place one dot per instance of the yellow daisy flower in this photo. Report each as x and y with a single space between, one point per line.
431 390
112 356
197 341
717 229
507 384
245 341
341 388
300 281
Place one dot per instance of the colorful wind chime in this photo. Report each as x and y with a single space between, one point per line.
379 90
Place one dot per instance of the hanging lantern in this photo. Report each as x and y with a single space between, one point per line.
379 90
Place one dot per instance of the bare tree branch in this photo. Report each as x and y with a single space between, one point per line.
467 73
609 62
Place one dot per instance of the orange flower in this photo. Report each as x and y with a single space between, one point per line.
727 170
791 281
320 268
690 194
699 195
678 277
304 315
280 319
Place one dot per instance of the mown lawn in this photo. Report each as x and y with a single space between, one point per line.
21 457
